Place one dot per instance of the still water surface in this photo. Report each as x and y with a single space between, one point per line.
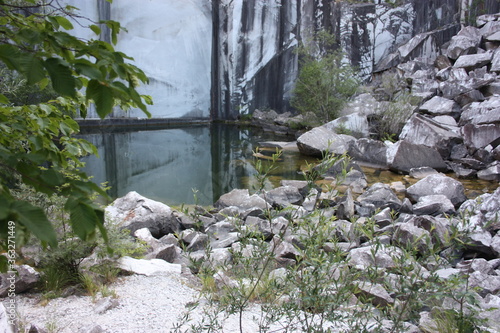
197 164
176 165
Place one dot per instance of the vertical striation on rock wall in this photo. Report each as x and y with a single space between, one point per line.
220 59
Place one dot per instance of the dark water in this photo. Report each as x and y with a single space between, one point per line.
197 164
184 165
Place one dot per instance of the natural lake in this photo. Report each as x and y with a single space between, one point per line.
198 163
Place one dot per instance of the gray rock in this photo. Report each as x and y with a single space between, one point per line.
368 150
460 45
490 173
355 124
486 284
469 62
442 62
286 250
374 293
133 212
408 235
495 245
420 130
321 139
241 199
5 327
198 242
480 136
24 278
284 196
440 106
301 185
495 61
373 256
438 184
105 304
422 172
383 218
148 267
447 121
439 228
480 240
356 180
404 156
433 205
169 253
381 196
345 209
481 20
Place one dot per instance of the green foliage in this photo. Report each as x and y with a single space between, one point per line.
36 141
325 80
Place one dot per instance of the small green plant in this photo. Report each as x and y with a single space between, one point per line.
90 284
325 81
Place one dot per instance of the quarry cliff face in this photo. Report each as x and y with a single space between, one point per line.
222 58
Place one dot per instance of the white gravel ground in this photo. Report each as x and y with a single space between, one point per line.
145 304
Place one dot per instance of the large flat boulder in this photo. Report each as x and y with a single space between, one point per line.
321 139
420 130
479 136
438 184
368 151
404 156
134 211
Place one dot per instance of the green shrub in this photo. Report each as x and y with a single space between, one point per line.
325 80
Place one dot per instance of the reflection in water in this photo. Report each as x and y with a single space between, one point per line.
168 164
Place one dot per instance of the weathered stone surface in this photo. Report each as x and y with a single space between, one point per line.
495 61
472 61
25 278
408 235
373 256
375 293
355 124
241 199
422 172
369 151
420 130
148 267
487 284
479 136
490 173
133 211
381 196
460 45
438 184
320 140
440 106
284 196
433 205
5 327
404 156
363 104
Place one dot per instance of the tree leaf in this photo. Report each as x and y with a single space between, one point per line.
32 68
61 76
83 219
102 97
9 55
64 22
4 100
88 69
96 29
35 220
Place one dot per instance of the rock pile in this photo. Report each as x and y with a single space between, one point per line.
454 126
434 209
